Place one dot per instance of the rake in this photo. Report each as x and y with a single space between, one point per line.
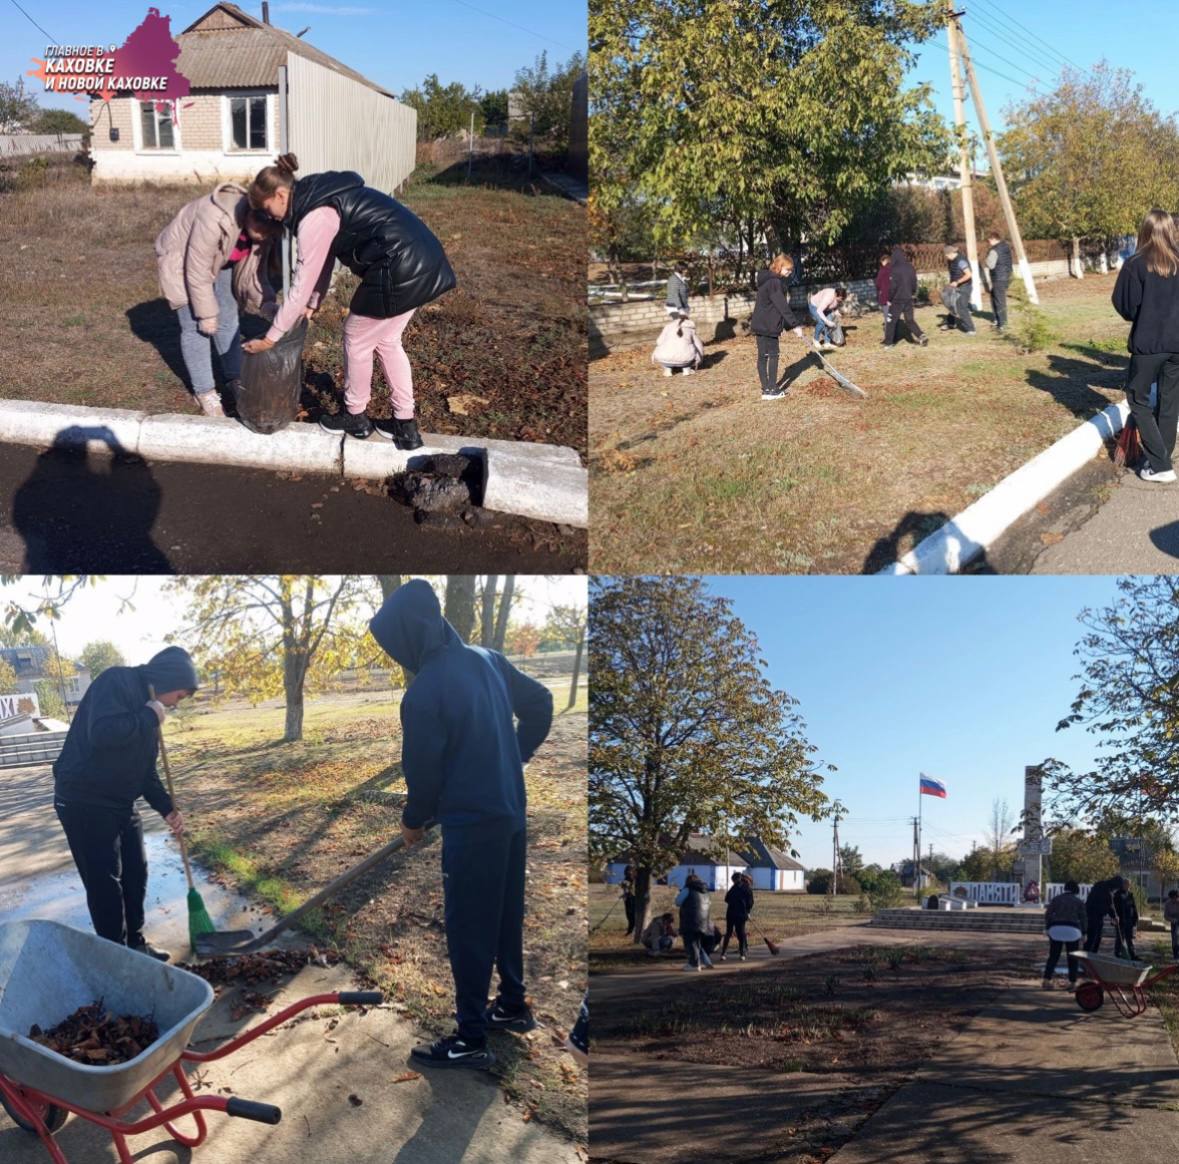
837 376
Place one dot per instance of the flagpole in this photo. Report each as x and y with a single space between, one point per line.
917 878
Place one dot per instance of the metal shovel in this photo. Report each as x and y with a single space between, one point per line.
244 942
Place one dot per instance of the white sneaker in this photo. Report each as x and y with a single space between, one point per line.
775 395
1163 478
689 966
689 371
211 405
742 958
667 371
723 957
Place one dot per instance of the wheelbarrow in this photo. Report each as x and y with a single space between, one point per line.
1125 982
47 971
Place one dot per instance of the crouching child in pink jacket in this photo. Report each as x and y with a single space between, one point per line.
678 346
212 257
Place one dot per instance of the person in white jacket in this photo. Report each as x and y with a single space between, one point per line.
678 346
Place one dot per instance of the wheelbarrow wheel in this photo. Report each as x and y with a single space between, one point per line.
1090 996
52 1115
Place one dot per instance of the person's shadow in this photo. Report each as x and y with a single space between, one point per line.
912 529
83 511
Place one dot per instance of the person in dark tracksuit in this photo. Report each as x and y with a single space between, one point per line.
902 291
999 270
1126 909
695 925
959 289
1147 294
1099 905
108 761
771 316
470 722
1171 917
738 907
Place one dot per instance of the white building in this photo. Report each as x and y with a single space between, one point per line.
770 869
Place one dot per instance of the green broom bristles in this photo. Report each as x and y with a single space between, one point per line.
199 921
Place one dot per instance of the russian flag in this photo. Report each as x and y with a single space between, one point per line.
931 787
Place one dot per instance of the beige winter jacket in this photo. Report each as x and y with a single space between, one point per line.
194 247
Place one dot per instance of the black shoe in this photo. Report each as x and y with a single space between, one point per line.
510 1018
357 425
924 341
403 433
453 1052
151 951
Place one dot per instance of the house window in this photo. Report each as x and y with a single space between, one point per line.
247 122
156 126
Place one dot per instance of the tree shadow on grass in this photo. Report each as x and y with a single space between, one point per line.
502 172
1073 382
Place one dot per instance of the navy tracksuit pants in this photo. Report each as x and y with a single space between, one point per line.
483 885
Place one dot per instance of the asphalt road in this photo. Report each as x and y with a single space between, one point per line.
67 512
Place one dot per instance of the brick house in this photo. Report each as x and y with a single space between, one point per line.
228 126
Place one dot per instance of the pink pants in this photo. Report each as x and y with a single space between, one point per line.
363 336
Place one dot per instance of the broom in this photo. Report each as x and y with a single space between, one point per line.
199 921
773 947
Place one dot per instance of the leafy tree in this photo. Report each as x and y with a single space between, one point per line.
1080 856
1129 699
819 881
49 699
869 876
7 678
18 625
686 733
59 121
1088 159
774 116
494 107
522 639
851 859
443 109
988 864
545 97
567 624
99 655
271 634
18 106
885 892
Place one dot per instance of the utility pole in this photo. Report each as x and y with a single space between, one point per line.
916 861
835 853
964 168
471 146
1021 257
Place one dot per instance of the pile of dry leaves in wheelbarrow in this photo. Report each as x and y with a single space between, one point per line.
91 1035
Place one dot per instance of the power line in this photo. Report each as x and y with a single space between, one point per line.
991 4
511 23
987 68
1051 69
49 39
1034 53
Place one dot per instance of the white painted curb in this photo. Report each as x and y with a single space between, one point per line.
544 482
963 538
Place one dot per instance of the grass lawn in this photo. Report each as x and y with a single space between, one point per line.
503 355
281 820
699 475
780 915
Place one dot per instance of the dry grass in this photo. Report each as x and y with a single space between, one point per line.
82 321
280 821
700 475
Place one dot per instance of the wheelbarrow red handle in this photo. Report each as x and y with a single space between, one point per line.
358 998
247 1109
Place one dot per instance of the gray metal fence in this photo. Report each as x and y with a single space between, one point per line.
15 145
34 748
336 123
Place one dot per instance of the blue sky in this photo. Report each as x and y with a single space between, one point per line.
1083 31
962 678
477 42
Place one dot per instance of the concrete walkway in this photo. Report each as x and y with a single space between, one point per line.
1135 532
309 1068
1031 1079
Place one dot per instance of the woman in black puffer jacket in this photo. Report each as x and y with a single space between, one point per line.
695 907
771 317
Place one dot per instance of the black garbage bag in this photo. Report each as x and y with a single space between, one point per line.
268 399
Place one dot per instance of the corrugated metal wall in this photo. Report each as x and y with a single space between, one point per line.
336 123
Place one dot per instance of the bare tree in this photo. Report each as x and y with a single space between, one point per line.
460 604
505 609
487 619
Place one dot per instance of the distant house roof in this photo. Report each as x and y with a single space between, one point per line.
227 48
752 852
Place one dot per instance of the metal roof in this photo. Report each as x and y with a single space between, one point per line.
244 53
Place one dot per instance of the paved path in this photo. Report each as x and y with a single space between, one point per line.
1031 1080
307 1068
1136 531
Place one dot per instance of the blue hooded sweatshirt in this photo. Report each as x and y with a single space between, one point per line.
109 756
462 755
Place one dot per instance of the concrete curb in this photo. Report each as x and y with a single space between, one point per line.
542 482
958 542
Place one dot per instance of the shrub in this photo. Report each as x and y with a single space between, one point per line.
1032 331
819 881
888 892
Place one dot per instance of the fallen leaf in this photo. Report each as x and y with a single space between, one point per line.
406 1077
465 403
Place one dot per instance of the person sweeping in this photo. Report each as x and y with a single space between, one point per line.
108 761
470 722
